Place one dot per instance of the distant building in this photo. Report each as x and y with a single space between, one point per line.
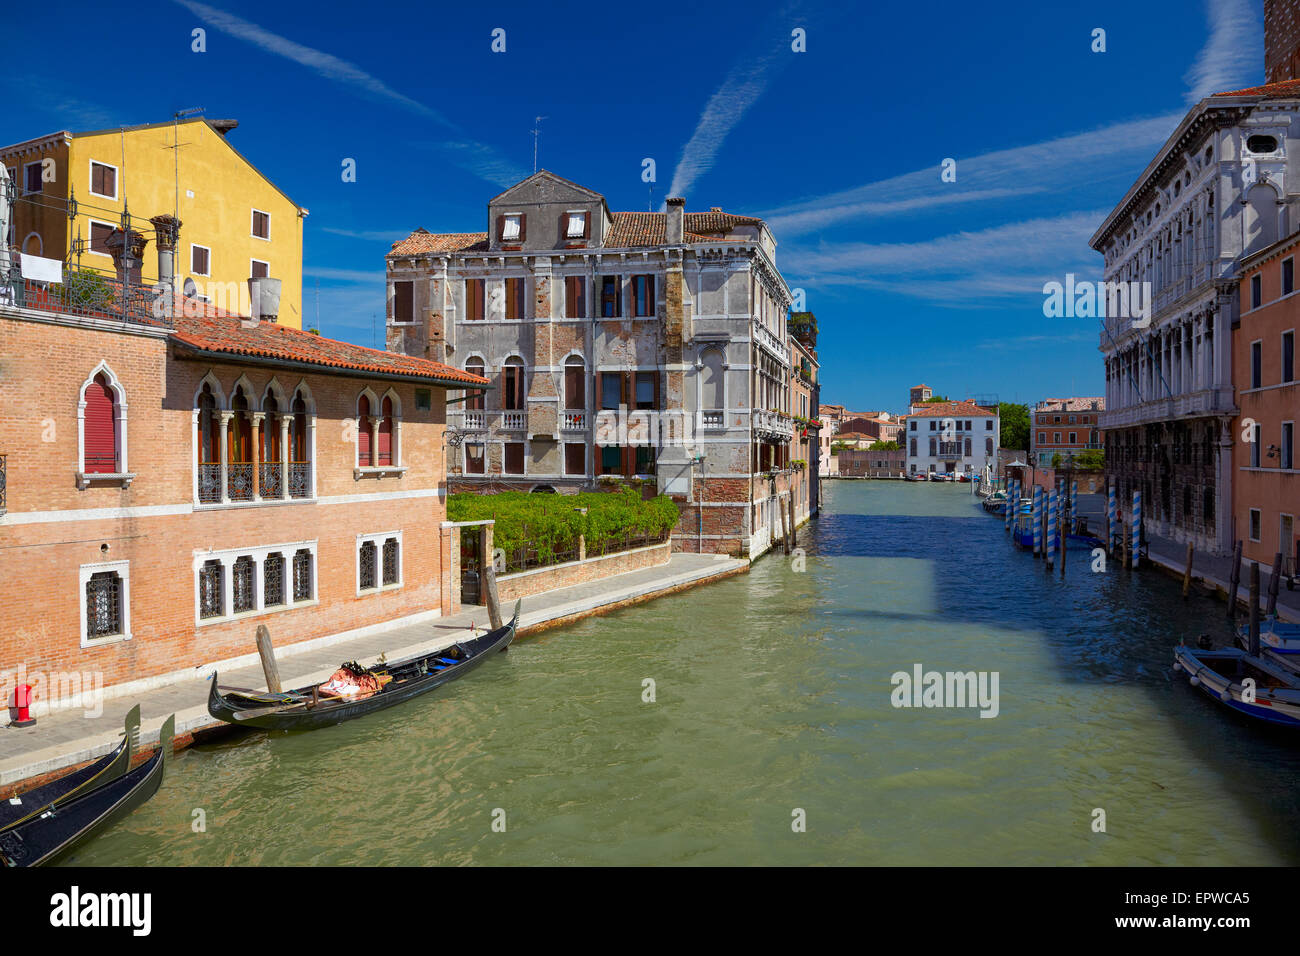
1065 427
919 393
952 438
1281 40
869 463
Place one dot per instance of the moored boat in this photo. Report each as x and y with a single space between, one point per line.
1273 695
383 686
67 823
106 769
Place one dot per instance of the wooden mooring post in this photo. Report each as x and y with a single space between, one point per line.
488 576
1187 571
1272 585
1254 608
269 666
789 544
1234 581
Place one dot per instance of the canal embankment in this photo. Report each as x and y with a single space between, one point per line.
67 738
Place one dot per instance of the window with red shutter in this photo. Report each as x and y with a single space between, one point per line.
363 432
100 430
386 433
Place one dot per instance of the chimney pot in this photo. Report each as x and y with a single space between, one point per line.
673 229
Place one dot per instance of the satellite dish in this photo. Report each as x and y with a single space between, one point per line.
191 290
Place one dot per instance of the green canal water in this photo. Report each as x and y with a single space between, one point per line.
773 695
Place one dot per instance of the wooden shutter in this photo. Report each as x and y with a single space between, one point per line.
586 225
363 431
386 433
501 228
100 437
523 226
656 390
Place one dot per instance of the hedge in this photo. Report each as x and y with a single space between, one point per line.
551 524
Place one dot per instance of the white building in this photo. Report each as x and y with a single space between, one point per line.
952 438
1224 185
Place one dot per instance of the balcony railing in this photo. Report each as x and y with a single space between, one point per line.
239 480
271 479
514 421
84 292
474 421
210 483
299 479
772 425
713 418
574 421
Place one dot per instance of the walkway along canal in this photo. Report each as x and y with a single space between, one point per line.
772 695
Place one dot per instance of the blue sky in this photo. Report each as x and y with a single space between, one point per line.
839 147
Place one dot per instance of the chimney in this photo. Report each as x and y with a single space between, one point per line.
127 250
676 214
166 233
264 299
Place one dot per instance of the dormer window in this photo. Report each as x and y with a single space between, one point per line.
576 225
511 227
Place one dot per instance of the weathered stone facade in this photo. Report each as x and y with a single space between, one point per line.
620 345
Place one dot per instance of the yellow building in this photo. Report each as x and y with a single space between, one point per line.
235 223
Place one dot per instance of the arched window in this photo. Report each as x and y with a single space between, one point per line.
209 447
271 449
575 383
299 449
100 456
386 432
512 384
714 391
474 403
364 452
239 449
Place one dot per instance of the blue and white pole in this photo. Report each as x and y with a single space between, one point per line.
1074 502
1137 529
1053 505
1112 531
1037 514
1008 513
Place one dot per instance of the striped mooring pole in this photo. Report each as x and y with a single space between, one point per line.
1111 530
1135 558
1074 502
1053 507
1037 514
1006 512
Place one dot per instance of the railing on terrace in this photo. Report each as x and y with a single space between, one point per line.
239 480
574 421
210 482
84 292
299 479
271 480
474 421
514 421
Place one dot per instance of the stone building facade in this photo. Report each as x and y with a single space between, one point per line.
621 346
1222 187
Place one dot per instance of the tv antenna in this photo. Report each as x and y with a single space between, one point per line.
537 132
176 153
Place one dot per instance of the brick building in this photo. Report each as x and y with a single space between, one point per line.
1065 427
623 346
1281 40
173 477
1266 467
872 463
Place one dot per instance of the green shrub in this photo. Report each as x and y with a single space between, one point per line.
551 524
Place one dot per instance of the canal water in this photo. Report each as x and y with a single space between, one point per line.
772 704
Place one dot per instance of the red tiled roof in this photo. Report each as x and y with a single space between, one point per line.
951 410
215 332
422 241
1283 89
651 228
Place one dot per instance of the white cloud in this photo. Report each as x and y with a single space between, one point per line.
1233 55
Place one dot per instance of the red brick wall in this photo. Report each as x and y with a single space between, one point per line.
43 368
514 586
1281 40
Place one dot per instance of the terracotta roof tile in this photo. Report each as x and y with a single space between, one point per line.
1270 91
422 241
215 332
951 410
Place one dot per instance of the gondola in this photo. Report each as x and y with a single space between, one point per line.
106 769
66 824
304 708
1274 696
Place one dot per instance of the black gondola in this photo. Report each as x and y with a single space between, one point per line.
106 769
66 824
303 709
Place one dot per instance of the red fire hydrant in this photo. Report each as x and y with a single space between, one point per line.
23 701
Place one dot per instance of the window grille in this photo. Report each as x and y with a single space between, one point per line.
245 595
212 594
273 580
302 575
367 559
103 604
390 561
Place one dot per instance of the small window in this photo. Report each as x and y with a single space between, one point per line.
392 564
913 424
646 389
1288 356
988 424
302 575
273 580
1254 524
575 458
1073 440
576 225
474 299
367 570
515 298
611 391
1288 276
257 269
212 592
611 460
99 233
643 295
575 297
513 458
200 260
1256 364
1256 291
512 391
424 399
104 605
1286 453
241 579
403 302
611 297
103 180
1261 144
511 227
32 179
474 463
261 224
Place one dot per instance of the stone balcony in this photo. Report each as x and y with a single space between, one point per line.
1198 404
768 424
